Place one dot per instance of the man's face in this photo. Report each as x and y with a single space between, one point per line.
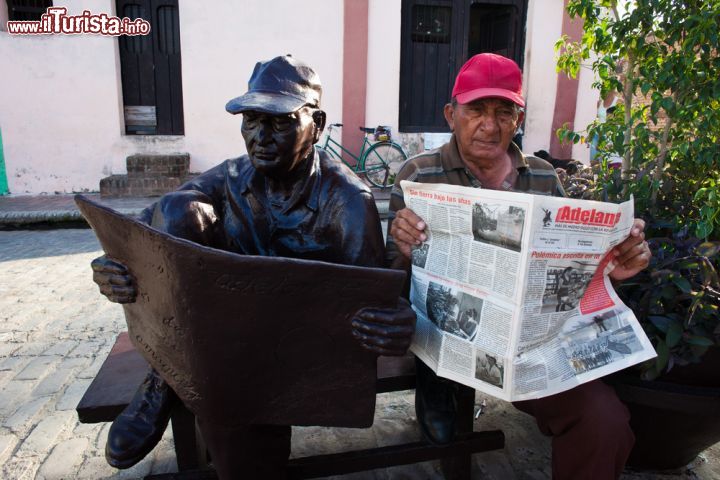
277 144
483 128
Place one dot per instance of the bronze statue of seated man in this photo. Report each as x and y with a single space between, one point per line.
284 198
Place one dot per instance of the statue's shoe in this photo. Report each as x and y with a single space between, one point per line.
139 427
436 405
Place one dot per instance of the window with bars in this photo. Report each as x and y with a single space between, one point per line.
27 9
431 23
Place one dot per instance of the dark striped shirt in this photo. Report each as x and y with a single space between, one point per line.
444 165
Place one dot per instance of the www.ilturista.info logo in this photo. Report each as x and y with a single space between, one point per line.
56 20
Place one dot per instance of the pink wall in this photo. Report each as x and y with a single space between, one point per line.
567 92
355 49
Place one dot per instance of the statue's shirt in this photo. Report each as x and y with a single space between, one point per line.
332 217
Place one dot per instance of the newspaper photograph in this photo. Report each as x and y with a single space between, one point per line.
512 292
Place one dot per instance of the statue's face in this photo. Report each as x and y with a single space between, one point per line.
278 144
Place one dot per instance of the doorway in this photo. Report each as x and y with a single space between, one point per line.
150 68
437 38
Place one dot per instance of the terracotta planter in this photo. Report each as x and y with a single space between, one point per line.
672 422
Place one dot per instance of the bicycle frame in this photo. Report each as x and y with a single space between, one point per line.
331 143
378 162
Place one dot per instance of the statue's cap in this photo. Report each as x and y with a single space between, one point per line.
281 85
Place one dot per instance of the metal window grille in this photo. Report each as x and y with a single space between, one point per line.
27 9
431 24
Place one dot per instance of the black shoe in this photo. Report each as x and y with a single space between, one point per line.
139 427
436 405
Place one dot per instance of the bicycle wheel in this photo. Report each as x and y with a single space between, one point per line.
382 162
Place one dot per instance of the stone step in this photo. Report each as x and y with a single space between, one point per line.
148 175
148 185
172 165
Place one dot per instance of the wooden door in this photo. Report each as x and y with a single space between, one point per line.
431 47
151 69
437 38
497 27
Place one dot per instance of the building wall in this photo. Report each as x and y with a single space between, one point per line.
586 112
58 109
219 58
543 28
61 100
383 78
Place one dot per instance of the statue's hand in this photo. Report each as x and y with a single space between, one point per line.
114 280
385 331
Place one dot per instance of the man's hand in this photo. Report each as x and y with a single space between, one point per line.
385 331
407 230
114 280
632 255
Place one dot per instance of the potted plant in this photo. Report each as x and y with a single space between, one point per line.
661 59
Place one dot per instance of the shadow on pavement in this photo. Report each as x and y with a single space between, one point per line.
28 244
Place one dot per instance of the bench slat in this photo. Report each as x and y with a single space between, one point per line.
362 460
115 383
124 370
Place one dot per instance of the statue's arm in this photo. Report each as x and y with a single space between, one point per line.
113 278
385 331
360 232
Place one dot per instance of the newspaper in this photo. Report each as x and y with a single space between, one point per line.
247 339
512 292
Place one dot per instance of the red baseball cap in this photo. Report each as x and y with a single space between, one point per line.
489 75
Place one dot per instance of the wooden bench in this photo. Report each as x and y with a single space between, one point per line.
124 370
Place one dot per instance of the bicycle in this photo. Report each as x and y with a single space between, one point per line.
379 161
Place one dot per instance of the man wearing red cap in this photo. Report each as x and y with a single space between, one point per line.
589 424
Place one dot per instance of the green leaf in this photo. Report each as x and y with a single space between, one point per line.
668 105
703 230
663 353
699 350
674 334
650 374
688 264
661 322
682 283
708 249
700 192
698 340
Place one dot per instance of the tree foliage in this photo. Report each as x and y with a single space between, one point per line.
662 58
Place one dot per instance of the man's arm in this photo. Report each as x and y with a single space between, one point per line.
360 235
632 255
112 277
405 229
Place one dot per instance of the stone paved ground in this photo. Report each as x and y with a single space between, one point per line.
55 331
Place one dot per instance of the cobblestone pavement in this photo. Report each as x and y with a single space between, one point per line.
56 330
28 210
18 210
